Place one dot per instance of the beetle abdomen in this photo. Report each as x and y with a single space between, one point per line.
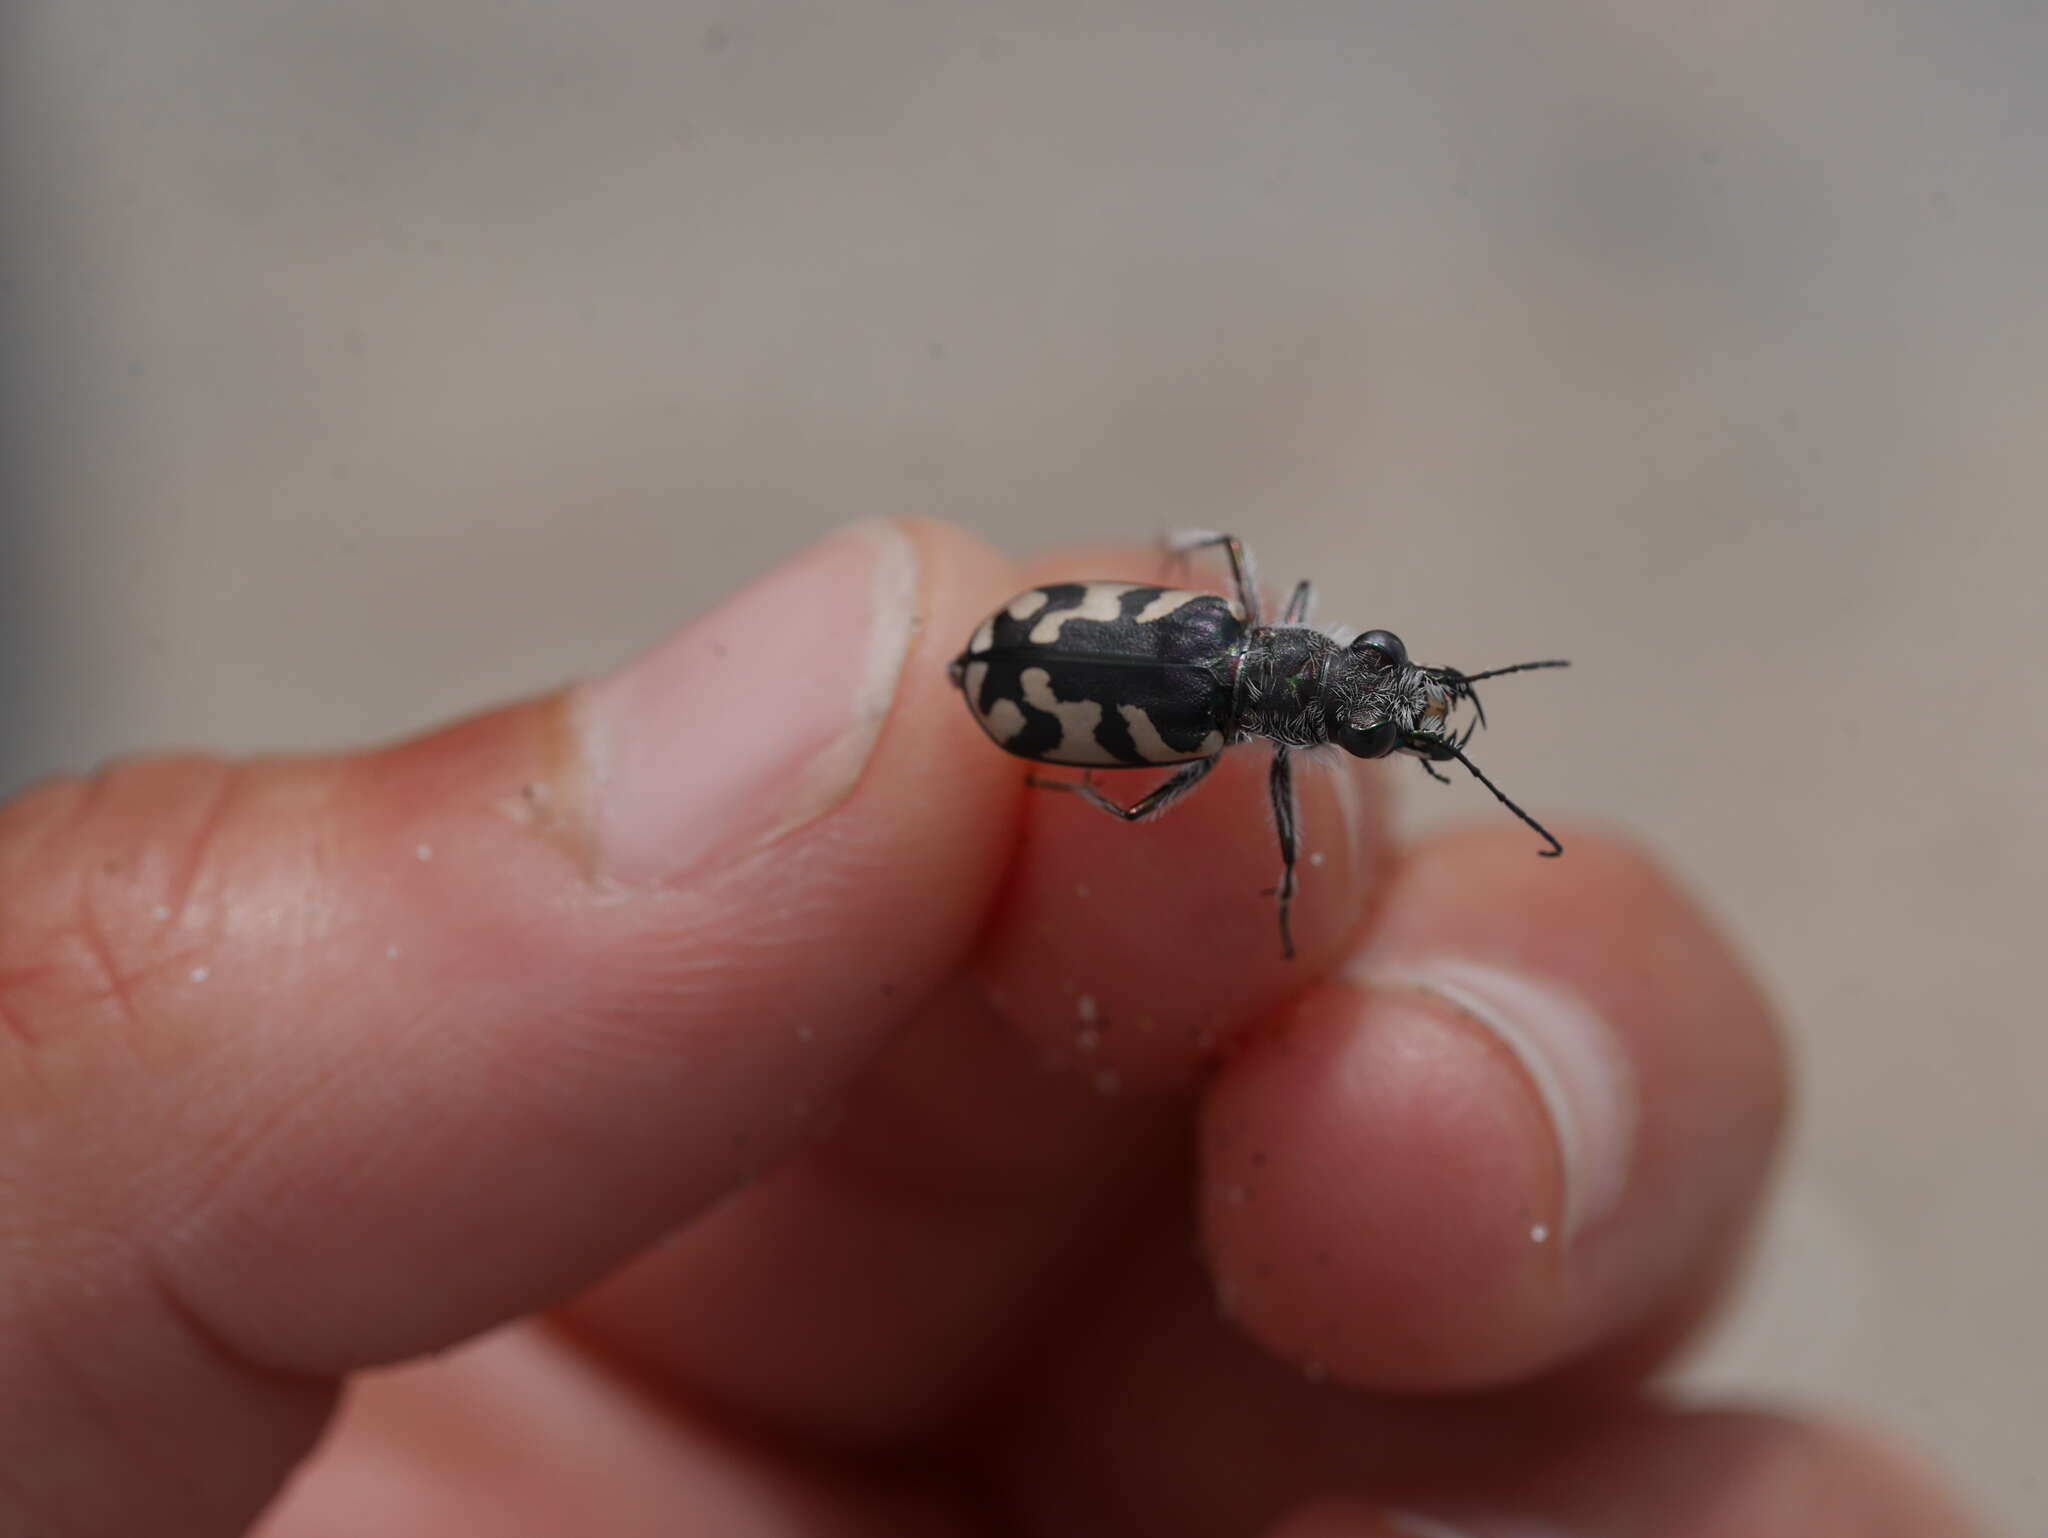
1106 674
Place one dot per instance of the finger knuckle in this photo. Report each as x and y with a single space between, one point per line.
105 883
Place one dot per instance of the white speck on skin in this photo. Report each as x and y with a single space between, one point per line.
1087 1040
1108 1082
1084 1007
423 852
527 808
160 913
1317 858
392 953
1539 1233
201 974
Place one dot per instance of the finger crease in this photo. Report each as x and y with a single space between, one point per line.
214 1342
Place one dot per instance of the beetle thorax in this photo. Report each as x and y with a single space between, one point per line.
1284 685
1299 687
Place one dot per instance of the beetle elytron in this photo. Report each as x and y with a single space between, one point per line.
1131 675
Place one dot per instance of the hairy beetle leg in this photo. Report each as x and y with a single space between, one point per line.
1281 784
1151 804
1187 542
1296 612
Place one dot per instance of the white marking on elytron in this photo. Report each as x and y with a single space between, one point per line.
983 638
1099 601
971 681
1084 1007
201 974
1155 748
1539 1232
423 852
1078 720
1168 602
1024 605
1005 719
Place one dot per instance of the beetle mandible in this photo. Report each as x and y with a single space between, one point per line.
1134 675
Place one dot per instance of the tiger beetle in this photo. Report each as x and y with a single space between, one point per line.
1132 675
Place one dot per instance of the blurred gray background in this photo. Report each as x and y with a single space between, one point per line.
365 362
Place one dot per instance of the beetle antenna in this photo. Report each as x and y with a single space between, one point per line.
1519 667
1500 795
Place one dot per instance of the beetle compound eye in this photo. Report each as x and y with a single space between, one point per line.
1386 644
1375 741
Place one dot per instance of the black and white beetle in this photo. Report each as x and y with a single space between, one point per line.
1133 675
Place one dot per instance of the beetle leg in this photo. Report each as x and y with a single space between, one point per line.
1190 540
1151 804
1296 612
1282 786
1433 772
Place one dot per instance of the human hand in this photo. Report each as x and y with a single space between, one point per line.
829 1122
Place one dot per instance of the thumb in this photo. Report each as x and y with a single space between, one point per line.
311 1064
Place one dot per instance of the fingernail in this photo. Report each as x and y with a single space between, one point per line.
754 720
1413 1524
1572 1057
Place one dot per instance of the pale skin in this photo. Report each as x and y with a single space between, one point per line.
948 1160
